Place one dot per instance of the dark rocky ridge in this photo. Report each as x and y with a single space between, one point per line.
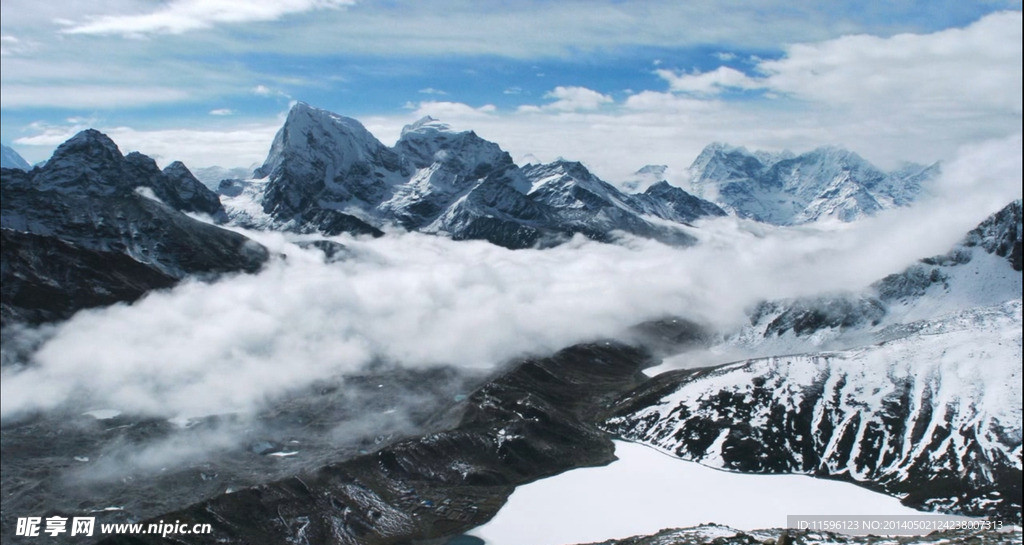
80 231
69 463
536 420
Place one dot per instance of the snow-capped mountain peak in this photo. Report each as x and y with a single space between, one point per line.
310 134
426 124
782 188
12 159
321 163
644 178
89 148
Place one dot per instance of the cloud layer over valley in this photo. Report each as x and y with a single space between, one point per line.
417 300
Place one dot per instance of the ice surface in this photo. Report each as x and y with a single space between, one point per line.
646 491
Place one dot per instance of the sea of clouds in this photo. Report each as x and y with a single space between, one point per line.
417 300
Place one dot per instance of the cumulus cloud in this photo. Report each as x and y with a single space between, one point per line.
265 91
418 300
570 99
178 16
708 83
952 71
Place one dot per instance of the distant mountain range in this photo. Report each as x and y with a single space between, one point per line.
11 159
327 173
785 189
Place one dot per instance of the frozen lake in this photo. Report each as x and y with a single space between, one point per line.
646 491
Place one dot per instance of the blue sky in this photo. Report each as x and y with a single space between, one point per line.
615 84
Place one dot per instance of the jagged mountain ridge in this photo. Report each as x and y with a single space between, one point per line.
92 227
437 180
786 189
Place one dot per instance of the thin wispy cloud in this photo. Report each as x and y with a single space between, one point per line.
89 96
179 16
432 91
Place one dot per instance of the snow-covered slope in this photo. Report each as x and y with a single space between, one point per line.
917 395
593 206
12 159
449 165
983 269
933 417
784 189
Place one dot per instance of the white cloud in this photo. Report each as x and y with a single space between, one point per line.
222 111
12 45
445 110
432 91
241 145
265 91
570 99
654 101
708 83
178 16
957 71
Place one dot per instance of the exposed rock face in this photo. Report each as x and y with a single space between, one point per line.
440 181
537 420
92 227
321 160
